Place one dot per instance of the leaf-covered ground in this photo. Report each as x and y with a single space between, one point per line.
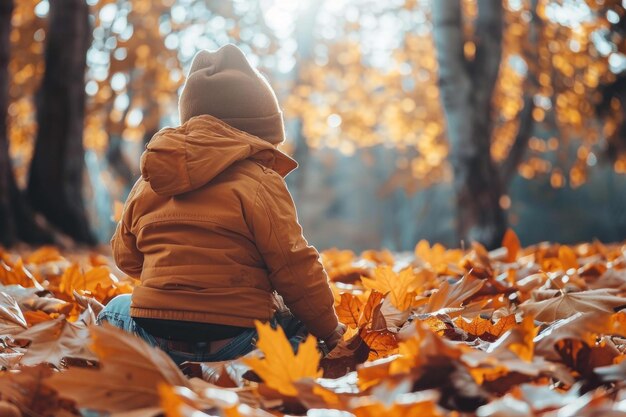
513 332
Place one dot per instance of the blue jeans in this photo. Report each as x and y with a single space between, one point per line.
117 313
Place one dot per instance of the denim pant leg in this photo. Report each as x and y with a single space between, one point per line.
117 313
294 329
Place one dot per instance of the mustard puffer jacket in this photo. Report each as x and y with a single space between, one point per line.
211 231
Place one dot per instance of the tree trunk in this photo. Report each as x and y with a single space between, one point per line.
531 86
17 220
56 174
466 91
8 232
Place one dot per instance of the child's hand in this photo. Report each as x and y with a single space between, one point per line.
333 339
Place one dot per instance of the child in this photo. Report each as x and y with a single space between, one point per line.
211 229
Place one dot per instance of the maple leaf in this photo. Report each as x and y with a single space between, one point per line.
53 340
47 305
85 301
581 326
484 328
280 366
418 343
74 279
381 343
511 242
354 313
401 288
477 262
349 310
567 257
36 317
383 257
128 377
17 274
44 254
32 398
437 258
401 404
11 318
567 304
450 297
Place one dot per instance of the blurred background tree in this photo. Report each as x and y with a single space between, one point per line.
520 101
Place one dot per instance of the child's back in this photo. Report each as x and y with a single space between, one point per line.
211 228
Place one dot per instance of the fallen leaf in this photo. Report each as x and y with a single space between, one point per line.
128 376
511 242
568 304
349 310
280 366
485 328
452 296
11 318
401 288
53 340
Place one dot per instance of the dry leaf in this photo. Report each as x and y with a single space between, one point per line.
401 288
128 377
280 366
450 297
11 318
511 242
484 328
53 340
568 304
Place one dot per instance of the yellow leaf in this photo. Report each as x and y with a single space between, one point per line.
280 366
400 287
437 257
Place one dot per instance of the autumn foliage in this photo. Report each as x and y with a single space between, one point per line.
516 331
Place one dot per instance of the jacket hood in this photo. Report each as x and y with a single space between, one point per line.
182 159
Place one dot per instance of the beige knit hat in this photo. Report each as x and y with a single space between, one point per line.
224 85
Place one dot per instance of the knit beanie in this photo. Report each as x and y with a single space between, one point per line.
224 85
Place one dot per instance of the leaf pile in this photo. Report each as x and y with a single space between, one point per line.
530 332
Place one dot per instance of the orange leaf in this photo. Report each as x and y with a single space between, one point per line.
511 242
381 343
568 258
349 310
485 329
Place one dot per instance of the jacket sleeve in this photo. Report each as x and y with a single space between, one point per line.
295 269
125 253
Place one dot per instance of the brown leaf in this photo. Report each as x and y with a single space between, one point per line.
26 391
452 296
381 343
129 374
345 357
11 318
85 301
53 340
47 305
568 304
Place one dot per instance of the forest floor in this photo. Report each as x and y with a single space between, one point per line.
535 331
